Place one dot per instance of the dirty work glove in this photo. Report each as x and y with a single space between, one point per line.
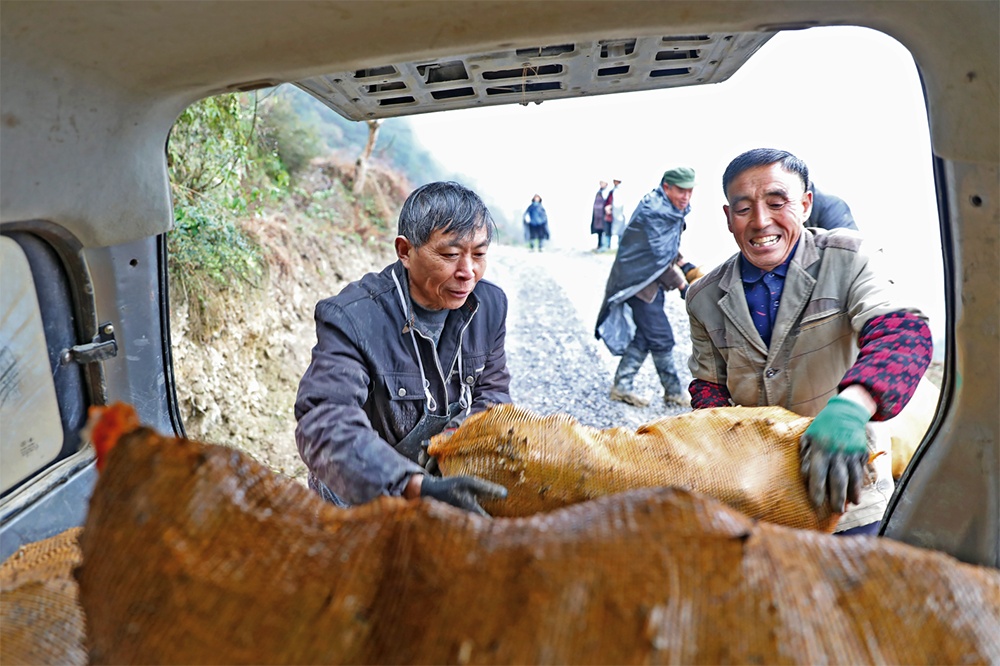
684 291
426 460
462 491
834 452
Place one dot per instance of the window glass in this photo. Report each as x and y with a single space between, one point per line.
32 432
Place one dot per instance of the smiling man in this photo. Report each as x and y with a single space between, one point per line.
404 354
798 318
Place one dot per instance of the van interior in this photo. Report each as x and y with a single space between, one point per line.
89 93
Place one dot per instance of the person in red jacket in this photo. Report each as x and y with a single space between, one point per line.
600 220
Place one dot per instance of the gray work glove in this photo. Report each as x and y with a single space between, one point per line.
426 460
834 452
462 491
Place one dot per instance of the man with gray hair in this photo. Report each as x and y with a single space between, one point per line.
404 354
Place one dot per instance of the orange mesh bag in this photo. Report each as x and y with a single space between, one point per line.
747 457
41 621
196 554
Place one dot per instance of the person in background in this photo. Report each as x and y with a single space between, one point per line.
538 222
405 354
798 318
617 212
632 321
608 219
600 215
829 211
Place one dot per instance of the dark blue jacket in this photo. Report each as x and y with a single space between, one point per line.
363 393
829 211
536 214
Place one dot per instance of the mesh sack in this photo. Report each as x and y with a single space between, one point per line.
747 457
41 621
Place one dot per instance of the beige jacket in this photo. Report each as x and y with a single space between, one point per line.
830 293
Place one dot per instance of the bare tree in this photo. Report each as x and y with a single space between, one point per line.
361 165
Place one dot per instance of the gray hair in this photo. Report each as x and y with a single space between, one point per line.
448 206
763 157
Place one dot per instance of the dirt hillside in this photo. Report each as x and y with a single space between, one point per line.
238 387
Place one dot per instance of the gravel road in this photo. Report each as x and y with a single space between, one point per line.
556 363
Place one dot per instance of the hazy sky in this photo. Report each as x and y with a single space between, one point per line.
846 100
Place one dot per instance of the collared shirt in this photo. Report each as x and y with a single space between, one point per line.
763 292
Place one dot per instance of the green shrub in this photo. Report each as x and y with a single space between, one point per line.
220 171
284 134
214 246
208 151
215 268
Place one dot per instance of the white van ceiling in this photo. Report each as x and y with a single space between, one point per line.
90 90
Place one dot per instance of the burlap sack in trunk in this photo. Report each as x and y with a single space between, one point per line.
197 554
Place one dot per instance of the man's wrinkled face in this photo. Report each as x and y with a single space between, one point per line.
680 197
766 211
445 269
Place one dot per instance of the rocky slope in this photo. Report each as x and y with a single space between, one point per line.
236 383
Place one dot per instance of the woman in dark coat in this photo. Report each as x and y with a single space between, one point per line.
538 222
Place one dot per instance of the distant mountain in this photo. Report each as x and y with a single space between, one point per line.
397 148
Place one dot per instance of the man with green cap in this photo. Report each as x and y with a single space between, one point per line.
632 322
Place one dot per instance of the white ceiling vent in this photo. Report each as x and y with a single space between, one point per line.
534 74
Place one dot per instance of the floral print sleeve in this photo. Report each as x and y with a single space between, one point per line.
895 350
708 394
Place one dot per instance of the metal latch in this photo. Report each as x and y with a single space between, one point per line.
102 348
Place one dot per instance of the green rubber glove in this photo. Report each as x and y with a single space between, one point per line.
834 452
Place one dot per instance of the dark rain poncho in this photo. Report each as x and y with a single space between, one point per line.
648 247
